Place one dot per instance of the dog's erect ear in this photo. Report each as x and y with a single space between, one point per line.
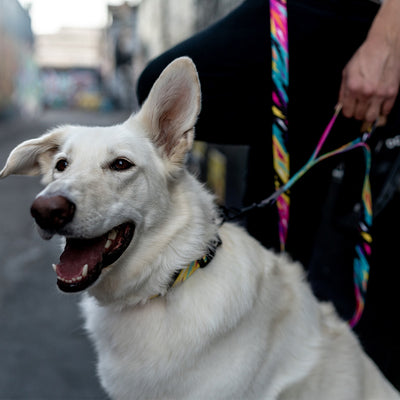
33 157
171 109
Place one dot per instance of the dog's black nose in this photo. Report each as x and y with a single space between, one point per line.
52 212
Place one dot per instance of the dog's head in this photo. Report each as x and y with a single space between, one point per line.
105 184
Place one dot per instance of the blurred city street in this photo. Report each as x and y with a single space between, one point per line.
44 351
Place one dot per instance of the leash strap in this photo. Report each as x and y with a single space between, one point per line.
281 160
280 83
363 247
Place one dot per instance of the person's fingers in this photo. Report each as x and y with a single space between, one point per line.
347 101
373 111
387 106
349 105
364 105
381 121
361 108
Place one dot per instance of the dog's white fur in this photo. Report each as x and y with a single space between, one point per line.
245 327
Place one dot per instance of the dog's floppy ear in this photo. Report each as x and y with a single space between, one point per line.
171 109
33 157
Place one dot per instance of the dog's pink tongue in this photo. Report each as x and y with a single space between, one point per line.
77 254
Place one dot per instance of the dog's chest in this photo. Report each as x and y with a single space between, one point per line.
139 351
129 334
155 354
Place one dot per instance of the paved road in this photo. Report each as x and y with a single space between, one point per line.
44 352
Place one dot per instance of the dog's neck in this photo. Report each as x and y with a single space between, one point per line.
185 234
182 275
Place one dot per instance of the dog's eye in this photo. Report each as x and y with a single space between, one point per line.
61 165
121 164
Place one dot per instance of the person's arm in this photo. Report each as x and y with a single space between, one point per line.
371 79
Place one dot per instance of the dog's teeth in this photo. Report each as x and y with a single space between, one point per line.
112 235
54 267
85 270
77 279
108 244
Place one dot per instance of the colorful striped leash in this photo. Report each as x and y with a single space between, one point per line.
281 160
363 247
280 83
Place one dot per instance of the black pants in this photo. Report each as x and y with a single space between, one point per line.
233 58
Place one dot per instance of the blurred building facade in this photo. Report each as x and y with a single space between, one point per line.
70 62
164 23
91 68
19 87
122 54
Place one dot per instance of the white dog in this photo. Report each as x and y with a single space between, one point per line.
246 326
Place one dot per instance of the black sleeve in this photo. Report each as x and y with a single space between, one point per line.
233 61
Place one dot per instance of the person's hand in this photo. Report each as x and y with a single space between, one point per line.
371 79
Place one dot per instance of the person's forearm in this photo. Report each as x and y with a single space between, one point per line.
387 22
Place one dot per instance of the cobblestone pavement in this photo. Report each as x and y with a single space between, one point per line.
44 352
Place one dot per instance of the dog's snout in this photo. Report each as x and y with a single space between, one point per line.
52 212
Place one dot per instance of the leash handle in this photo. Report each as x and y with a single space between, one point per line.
363 247
361 265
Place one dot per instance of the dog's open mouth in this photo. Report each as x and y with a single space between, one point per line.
83 259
